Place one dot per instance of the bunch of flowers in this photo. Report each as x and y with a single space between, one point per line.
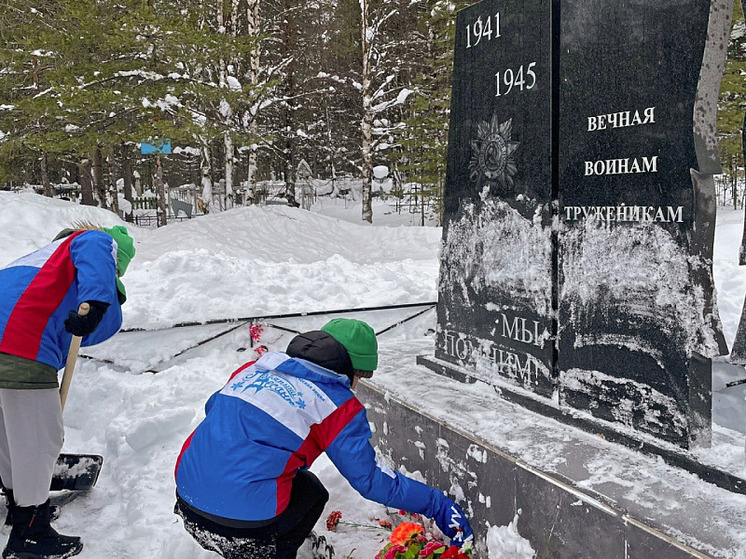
333 520
409 541
255 331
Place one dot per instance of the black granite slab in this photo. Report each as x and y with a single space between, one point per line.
562 526
644 543
633 311
495 292
629 78
608 430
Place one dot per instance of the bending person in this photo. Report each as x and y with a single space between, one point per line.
243 488
39 297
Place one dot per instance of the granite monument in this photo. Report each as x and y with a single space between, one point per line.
576 272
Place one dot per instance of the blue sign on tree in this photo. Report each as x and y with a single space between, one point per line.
157 146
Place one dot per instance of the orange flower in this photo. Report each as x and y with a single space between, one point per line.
405 532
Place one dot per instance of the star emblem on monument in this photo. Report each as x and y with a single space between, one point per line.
492 159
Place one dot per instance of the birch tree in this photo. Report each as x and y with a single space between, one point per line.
253 28
379 87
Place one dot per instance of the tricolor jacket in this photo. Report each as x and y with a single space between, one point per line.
274 416
38 290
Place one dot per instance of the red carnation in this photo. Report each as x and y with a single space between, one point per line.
454 552
431 548
255 331
333 519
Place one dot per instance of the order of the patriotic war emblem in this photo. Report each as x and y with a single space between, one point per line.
492 162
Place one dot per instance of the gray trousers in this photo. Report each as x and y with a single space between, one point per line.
31 436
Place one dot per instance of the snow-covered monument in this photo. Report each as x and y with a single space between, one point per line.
576 282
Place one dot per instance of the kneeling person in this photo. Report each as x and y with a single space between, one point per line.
243 487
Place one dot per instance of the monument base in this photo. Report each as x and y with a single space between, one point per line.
572 416
576 494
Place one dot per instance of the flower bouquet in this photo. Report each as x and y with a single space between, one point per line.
409 541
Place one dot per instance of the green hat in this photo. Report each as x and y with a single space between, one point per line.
125 253
121 292
359 340
125 246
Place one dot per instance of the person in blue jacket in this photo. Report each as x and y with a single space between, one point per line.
40 294
242 484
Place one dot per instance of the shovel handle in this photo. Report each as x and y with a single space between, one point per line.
72 357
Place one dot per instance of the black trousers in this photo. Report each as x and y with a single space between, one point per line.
280 539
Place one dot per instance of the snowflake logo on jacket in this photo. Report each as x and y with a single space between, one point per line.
266 380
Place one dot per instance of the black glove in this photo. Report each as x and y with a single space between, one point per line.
79 325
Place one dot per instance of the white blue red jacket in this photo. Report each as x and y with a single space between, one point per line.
38 290
274 416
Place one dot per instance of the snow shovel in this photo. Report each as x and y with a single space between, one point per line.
72 357
74 471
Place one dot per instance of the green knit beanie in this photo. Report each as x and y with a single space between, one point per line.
359 340
125 246
125 253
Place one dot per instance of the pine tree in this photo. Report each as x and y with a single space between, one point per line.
732 107
425 137
386 40
109 73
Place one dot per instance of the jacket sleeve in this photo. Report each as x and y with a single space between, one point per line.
355 458
94 258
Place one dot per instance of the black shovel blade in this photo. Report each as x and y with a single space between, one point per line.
76 472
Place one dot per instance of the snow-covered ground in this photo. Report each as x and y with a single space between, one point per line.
243 263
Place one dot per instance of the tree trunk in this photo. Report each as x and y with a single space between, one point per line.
252 18
43 164
234 17
367 122
204 202
734 180
228 141
335 191
127 180
86 184
742 250
288 118
98 178
289 171
743 133
160 193
112 185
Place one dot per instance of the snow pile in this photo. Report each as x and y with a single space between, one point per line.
642 271
504 542
495 252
